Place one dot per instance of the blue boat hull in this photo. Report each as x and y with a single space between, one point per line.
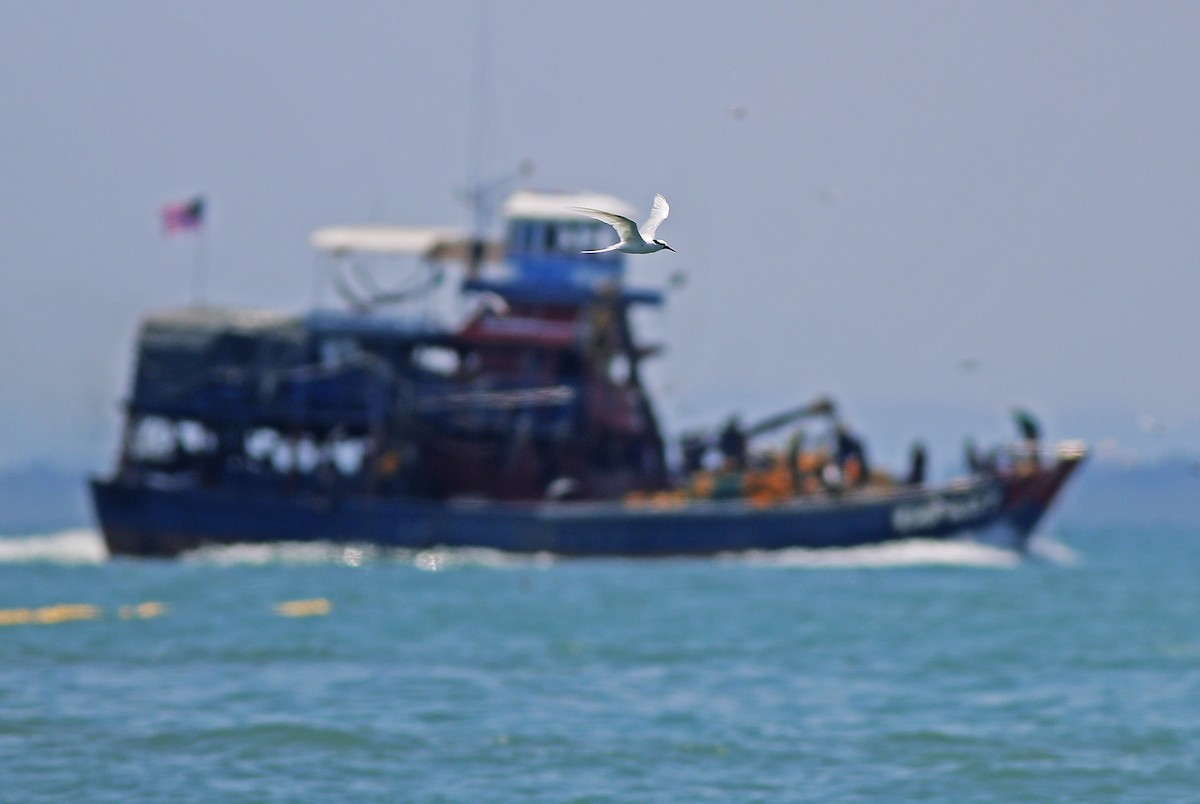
1004 510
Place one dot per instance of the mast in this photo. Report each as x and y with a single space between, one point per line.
481 121
483 194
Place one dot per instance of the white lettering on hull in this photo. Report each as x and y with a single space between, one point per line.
942 510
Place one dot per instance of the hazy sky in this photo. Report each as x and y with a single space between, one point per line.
864 195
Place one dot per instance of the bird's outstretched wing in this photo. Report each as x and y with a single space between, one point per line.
659 211
626 229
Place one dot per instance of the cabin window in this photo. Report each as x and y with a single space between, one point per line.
283 457
437 359
307 455
518 237
598 237
576 237
348 455
261 443
153 440
194 437
532 241
619 369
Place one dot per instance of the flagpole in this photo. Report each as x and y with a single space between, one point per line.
188 217
199 264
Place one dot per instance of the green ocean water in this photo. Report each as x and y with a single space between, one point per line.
911 672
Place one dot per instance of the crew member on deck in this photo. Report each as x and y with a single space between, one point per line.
1030 434
693 449
733 444
851 457
979 463
916 465
795 450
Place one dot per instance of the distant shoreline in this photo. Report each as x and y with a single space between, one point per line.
39 498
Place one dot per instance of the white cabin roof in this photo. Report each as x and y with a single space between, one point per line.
435 242
557 206
422 240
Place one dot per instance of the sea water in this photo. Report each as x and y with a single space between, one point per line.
913 671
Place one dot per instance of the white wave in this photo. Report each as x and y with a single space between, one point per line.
86 546
351 555
354 555
1053 552
905 553
450 558
76 546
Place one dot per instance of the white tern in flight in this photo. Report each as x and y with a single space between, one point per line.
633 241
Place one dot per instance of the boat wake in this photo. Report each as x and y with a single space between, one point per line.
1053 552
354 555
907 553
913 553
86 546
76 546
288 553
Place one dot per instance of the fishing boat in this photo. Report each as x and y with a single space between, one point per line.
513 415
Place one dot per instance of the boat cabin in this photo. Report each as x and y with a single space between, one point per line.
517 399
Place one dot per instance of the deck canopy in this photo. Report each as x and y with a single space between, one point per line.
420 240
530 204
427 242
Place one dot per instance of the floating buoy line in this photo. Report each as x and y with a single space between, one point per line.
76 612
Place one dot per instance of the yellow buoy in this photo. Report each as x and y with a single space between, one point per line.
50 615
315 607
142 611
66 612
15 616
